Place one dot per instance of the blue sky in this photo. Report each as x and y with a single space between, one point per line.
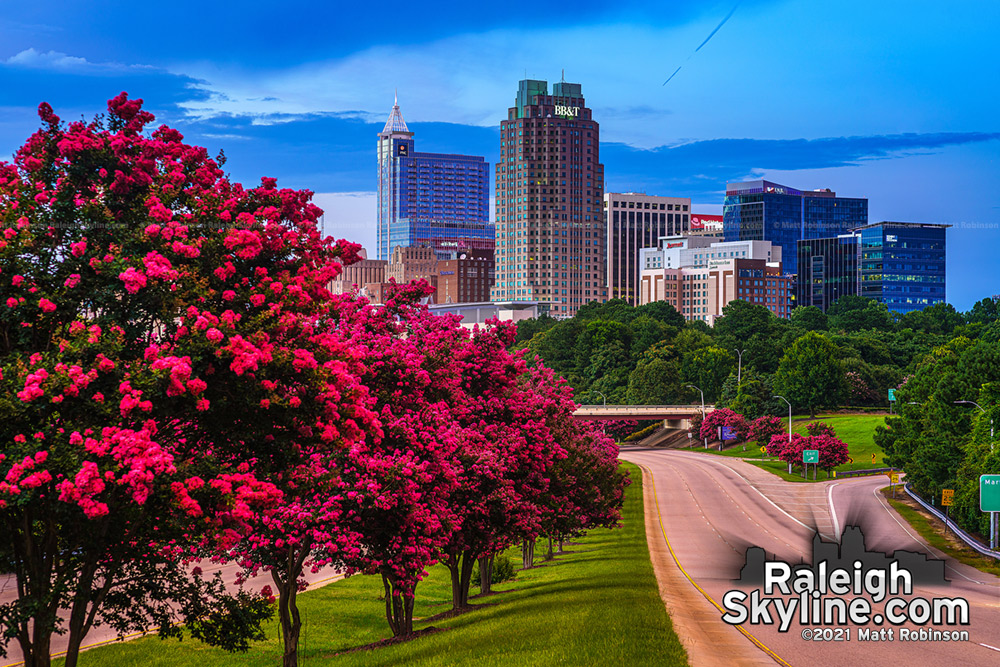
894 101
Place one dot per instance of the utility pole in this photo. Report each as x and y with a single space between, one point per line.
702 406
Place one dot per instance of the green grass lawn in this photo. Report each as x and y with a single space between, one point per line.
597 604
856 430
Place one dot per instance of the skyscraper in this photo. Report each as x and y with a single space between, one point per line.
636 221
902 264
549 209
429 199
828 270
765 211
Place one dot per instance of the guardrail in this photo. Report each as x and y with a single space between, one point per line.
964 536
864 472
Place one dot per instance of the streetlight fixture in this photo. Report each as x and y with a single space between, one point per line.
789 426
739 369
981 409
702 406
603 397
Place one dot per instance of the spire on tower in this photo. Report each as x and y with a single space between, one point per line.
395 122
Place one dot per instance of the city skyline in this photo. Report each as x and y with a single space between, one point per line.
890 102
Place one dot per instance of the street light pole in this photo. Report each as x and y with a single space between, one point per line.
789 426
984 412
702 406
739 369
603 397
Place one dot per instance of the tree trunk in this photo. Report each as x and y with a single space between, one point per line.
560 546
486 574
398 609
454 569
548 556
527 554
288 613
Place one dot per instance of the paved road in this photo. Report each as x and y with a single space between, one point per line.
102 635
713 508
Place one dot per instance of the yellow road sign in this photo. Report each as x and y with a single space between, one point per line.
763 450
873 458
947 497
894 478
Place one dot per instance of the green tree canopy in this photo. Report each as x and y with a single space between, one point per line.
809 375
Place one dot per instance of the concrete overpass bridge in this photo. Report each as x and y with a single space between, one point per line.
673 416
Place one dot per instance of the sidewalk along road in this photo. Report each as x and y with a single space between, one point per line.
712 509
104 635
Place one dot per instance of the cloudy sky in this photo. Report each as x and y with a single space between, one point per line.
890 100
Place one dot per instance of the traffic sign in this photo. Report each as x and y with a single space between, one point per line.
873 458
894 478
763 450
810 456
892 395
947 497
989 493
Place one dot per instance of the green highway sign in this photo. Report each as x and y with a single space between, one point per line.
810 456
989 493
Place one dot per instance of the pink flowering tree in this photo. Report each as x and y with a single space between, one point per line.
723 418
764 428
820 428
155 323
506 457
789 451
406 474
832 451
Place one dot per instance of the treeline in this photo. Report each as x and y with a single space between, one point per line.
649 354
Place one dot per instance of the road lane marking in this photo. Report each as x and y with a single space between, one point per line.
750 484
708 597
922 544
833 513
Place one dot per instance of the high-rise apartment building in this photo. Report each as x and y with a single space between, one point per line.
766 211
549 201
431 199
635 221
828 270
902 264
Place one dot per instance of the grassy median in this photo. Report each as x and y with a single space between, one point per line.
596 604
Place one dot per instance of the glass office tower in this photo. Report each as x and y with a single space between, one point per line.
902 264
827 270
766 211
429 199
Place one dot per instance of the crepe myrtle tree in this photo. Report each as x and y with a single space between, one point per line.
153 316
406 472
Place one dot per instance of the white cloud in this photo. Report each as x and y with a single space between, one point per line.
56 60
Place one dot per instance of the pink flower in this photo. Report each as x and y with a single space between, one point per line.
11 302
134 280
16 281
264 403
214 335
202 404
46 305
257 299
78 248
72 281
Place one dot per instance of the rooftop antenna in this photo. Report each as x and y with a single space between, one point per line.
395 97
563 79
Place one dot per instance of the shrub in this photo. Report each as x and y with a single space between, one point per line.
503 570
